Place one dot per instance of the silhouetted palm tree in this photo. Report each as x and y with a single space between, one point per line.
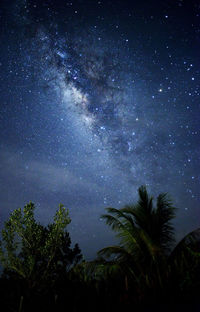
146 235
141 227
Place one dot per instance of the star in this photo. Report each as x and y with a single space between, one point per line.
95 103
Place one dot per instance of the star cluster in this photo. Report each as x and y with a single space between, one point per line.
97 98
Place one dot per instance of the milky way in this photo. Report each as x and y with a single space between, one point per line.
97 99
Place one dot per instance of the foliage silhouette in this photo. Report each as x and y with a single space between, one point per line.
42 272
38 256
146 237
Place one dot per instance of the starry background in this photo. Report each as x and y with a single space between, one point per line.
96 99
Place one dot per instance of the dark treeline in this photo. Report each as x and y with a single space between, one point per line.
145 272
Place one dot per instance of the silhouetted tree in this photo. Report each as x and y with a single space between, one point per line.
145 234
39 257
144 255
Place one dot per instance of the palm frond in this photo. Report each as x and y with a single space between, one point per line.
165 212
145 202
119 213
164 204
123 225
113 222
142 211
150 248
130 210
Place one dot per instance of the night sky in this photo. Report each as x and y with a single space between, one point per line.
96 99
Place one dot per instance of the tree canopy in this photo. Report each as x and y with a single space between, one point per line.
143 230
34 252
43 272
